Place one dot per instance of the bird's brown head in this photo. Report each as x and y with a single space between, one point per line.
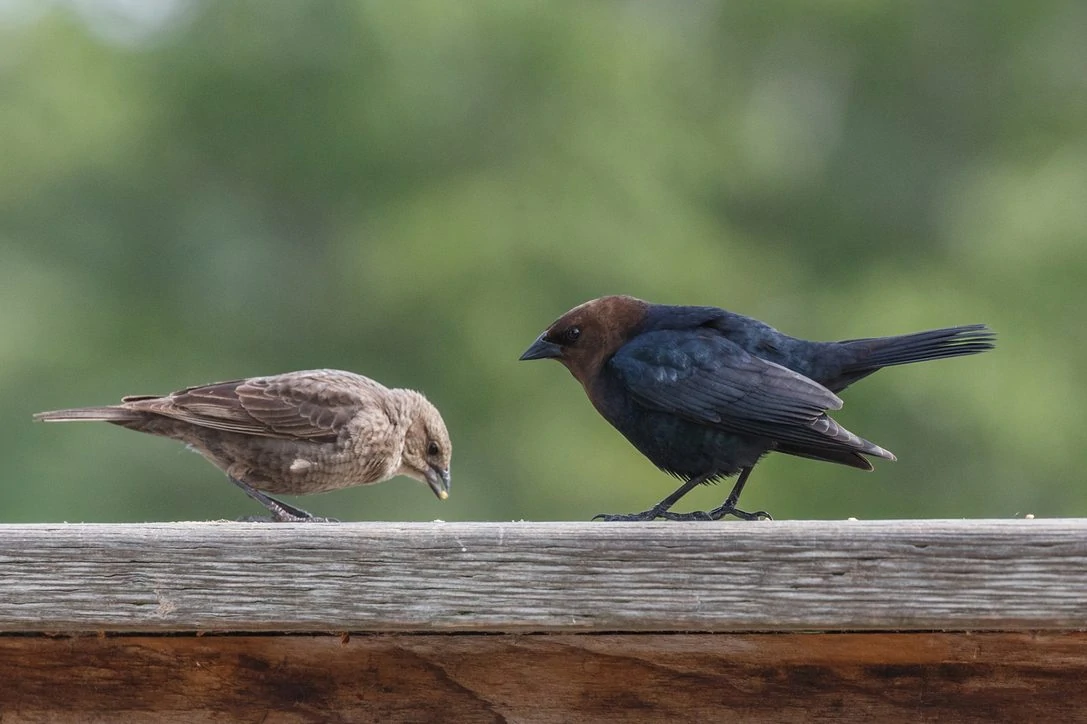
427 449
584 338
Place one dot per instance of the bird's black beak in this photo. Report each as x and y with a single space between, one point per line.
438 480
542 349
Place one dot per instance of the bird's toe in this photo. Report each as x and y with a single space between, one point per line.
628 517
304 519
693 515
726 510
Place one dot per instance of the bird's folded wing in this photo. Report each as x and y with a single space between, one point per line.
706 378
295 405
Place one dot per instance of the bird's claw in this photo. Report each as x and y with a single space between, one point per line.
654 513
743 514
307 519
718 514
285 519
651 514
693 515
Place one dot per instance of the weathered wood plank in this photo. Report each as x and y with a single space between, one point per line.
768 576
868 677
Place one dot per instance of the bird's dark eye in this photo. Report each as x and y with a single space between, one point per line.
570 335
432 449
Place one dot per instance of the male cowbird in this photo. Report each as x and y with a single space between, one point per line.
295 433
704 393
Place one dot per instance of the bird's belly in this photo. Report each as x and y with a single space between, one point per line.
688 449
289 467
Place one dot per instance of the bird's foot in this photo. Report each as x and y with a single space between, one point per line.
651 514
718 514
293 516
286 519
283 513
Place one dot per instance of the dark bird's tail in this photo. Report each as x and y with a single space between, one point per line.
865 356
104 414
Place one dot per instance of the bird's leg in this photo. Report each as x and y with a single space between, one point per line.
660 510
281 512
726 508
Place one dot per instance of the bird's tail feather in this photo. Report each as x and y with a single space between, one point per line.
877 352
851 458
103 414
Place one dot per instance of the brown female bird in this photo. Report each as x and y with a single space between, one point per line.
704 393
295 433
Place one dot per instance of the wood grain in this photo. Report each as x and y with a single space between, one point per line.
546 678
552 577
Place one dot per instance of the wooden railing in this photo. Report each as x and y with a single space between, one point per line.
553 622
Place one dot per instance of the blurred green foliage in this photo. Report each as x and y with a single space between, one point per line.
197 191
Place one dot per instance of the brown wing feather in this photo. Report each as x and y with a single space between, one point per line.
311 405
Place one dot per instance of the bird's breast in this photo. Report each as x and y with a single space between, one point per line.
673 443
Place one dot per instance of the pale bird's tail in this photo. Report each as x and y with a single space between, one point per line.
114 413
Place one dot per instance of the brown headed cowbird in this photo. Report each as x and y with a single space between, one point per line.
704 393
295 433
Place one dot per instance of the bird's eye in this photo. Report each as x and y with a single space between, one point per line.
432 449
570 335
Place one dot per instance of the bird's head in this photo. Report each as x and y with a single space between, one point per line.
584 338
427 449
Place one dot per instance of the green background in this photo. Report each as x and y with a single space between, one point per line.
197 191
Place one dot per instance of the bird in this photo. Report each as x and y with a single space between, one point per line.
705 393
295 433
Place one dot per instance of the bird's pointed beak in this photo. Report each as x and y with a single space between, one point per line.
438 480
542 349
